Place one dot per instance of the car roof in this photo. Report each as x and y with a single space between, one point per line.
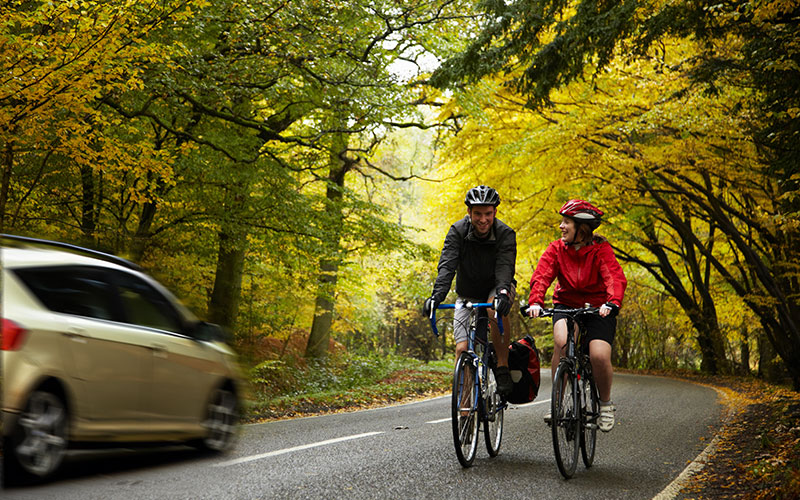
17 241
14 258
18 258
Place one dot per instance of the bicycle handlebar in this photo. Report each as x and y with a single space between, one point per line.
544 313
468 305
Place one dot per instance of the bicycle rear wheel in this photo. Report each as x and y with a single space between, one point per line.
464 410
591 410
493 419
564 405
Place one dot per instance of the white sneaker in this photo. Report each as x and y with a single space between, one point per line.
606 421
548 417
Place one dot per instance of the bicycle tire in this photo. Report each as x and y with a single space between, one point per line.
591 410
494 409
465 427
564 405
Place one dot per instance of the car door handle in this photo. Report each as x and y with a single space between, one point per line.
159 350
76 334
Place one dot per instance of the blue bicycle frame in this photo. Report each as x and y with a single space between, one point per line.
468 305
479 374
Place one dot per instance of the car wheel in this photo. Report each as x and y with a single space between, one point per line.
39 442
221 421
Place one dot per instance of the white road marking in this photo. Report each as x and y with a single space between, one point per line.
442 420
293 449
533 403
439 421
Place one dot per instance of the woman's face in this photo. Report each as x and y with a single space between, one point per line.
568 229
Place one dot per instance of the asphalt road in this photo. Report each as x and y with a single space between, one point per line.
407 452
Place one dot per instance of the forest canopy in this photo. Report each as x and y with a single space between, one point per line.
290 168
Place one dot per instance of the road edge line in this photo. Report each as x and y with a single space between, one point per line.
695 466
671 491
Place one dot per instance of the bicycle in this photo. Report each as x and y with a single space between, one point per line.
575 402
475 399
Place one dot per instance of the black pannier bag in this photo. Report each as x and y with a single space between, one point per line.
523 363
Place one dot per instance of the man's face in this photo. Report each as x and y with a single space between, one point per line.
482 218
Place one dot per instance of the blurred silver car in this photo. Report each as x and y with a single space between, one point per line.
94 350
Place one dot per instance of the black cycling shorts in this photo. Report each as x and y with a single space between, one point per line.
596 327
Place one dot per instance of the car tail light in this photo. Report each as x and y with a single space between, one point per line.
11 336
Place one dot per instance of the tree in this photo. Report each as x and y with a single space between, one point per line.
305 87
61 57
543 46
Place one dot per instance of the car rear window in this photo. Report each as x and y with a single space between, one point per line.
70 290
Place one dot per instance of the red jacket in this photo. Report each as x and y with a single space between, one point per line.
591 274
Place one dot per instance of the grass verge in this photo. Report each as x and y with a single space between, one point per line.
286 390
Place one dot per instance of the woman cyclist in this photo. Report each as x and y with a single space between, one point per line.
587 272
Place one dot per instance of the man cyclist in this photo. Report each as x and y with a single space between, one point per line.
587 272
480 251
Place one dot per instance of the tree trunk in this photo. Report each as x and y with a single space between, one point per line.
621 353
786 338
142 234
710 362
701 314
8 163
223 307
443 341
88 207
320 334
770 367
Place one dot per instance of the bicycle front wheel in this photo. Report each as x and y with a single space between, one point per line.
493 419
591 410
565 407
464 410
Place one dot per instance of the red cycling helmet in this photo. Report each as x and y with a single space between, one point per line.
582 211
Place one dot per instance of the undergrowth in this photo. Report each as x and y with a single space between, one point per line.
291 387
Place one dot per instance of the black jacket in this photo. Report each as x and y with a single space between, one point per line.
482 266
